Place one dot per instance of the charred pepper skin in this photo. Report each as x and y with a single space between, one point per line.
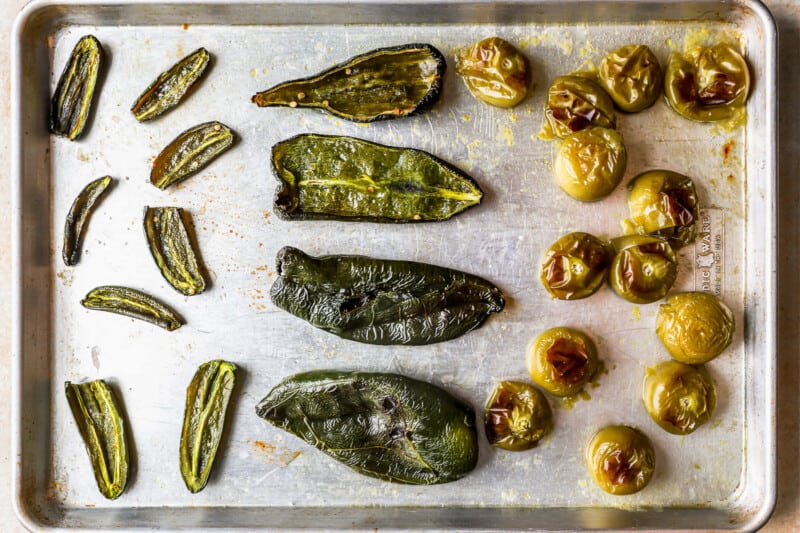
381 84
78 218
71 104
385 426
323 177
378 301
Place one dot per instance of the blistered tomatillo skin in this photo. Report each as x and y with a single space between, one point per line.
644 268
517 416
562 360
694 327
620 459
664 203
495 72
632 77
679 397
575 266
575 103
707 84
590 163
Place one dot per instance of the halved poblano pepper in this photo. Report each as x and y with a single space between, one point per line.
334 177
385 426
378 85
77 218
207 399
171 86
190 152
173 249
377 301
134 304
72 100
102 427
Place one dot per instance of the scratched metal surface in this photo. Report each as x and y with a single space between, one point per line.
720 470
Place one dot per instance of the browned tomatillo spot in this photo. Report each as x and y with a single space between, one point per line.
619 468
569 359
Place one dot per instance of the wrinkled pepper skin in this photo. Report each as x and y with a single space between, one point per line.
344 178
102 427
385 426
173 249
78 217
132 303
377 301
190 152
378 85
72 99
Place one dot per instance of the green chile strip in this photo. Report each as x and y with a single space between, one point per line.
132 303
377 301
172 248
385 426
78 217
190 152
72 100
381 84
329 177
102 427
207 399
171 86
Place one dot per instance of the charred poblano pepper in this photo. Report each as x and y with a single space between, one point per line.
329 177
207 399
381 425
72 101
378 85
172 248
171 86
132 303
102 427
379 301
190 152
77 218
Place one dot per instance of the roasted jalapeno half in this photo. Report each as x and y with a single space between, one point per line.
562 360
632 77
517 416
589 164
620 459
694 327
644 268
679 397
575 103
575 266
664 203
707 84
495 72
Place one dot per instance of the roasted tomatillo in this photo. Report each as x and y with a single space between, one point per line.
562 360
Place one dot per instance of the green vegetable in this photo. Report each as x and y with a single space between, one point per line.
171 86
620 459
575 266
102 428
207 399
325 177
132 303
664 203
644 268
173 250
574 103
679 398
385 426
72 100
632 77
707 84
190 152
378 301
378 85
78 217
694 327
494 71
589 163
562 360
517 416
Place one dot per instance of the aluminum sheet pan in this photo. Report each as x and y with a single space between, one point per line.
720 477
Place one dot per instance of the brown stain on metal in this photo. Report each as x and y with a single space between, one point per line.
731 178
726 151
273 454
185 26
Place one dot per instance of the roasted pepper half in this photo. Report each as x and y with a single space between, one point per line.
172 248
72 100
78 217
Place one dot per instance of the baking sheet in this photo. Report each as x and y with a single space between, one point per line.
720 472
